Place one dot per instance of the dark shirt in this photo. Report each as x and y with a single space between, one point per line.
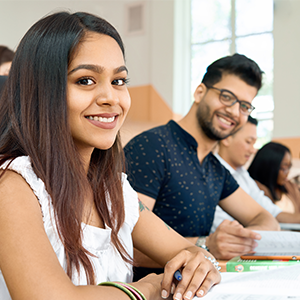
163 164
2 81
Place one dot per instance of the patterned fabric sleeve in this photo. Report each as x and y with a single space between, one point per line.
145 175
230 184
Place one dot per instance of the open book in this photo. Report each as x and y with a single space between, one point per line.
278 284
277 245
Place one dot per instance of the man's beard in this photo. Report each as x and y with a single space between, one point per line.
204 119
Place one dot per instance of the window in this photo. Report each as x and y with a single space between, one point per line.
224 27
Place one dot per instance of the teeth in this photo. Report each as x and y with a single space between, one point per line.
225 121
104 120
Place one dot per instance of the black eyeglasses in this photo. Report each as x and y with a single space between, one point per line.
285 169
229 99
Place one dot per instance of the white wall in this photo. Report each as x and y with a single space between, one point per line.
155 57
286 68
162 47
17 16
149 56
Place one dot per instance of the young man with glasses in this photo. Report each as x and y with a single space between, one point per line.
177 176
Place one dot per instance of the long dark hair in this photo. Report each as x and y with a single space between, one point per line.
34 122
266 164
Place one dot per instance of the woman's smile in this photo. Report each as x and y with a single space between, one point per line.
103 121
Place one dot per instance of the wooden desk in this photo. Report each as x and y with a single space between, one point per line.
222 264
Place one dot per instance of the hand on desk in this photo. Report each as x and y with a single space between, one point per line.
198 275
231 239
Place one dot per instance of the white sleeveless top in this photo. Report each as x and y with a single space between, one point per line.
108 264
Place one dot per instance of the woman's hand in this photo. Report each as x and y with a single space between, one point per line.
150 286
198 274
152 237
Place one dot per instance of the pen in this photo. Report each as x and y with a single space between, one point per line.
178 275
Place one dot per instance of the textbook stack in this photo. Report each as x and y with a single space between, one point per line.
237 264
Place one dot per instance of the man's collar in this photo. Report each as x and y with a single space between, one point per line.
225 164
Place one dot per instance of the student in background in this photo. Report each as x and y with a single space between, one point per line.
270 169
68 217
6 57
2 81
234 152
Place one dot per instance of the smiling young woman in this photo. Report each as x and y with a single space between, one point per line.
69 218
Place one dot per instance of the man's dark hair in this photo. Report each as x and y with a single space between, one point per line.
252 120
240 65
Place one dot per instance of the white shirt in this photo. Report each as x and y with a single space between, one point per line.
108 263
248 184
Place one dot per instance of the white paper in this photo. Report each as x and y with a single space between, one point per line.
283 283
278 242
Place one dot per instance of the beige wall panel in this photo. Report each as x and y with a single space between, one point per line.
292 143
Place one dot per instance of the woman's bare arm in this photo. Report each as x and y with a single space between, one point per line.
174 252
27 259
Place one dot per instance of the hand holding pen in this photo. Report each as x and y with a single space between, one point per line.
178 275
189 274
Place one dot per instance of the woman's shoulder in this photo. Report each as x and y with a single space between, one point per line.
15 170
265 189
19 170
11 180
16 196
22 166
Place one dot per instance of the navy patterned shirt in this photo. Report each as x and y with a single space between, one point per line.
163 164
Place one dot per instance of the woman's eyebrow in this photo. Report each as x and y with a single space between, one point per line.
97 69
121 69
94 68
